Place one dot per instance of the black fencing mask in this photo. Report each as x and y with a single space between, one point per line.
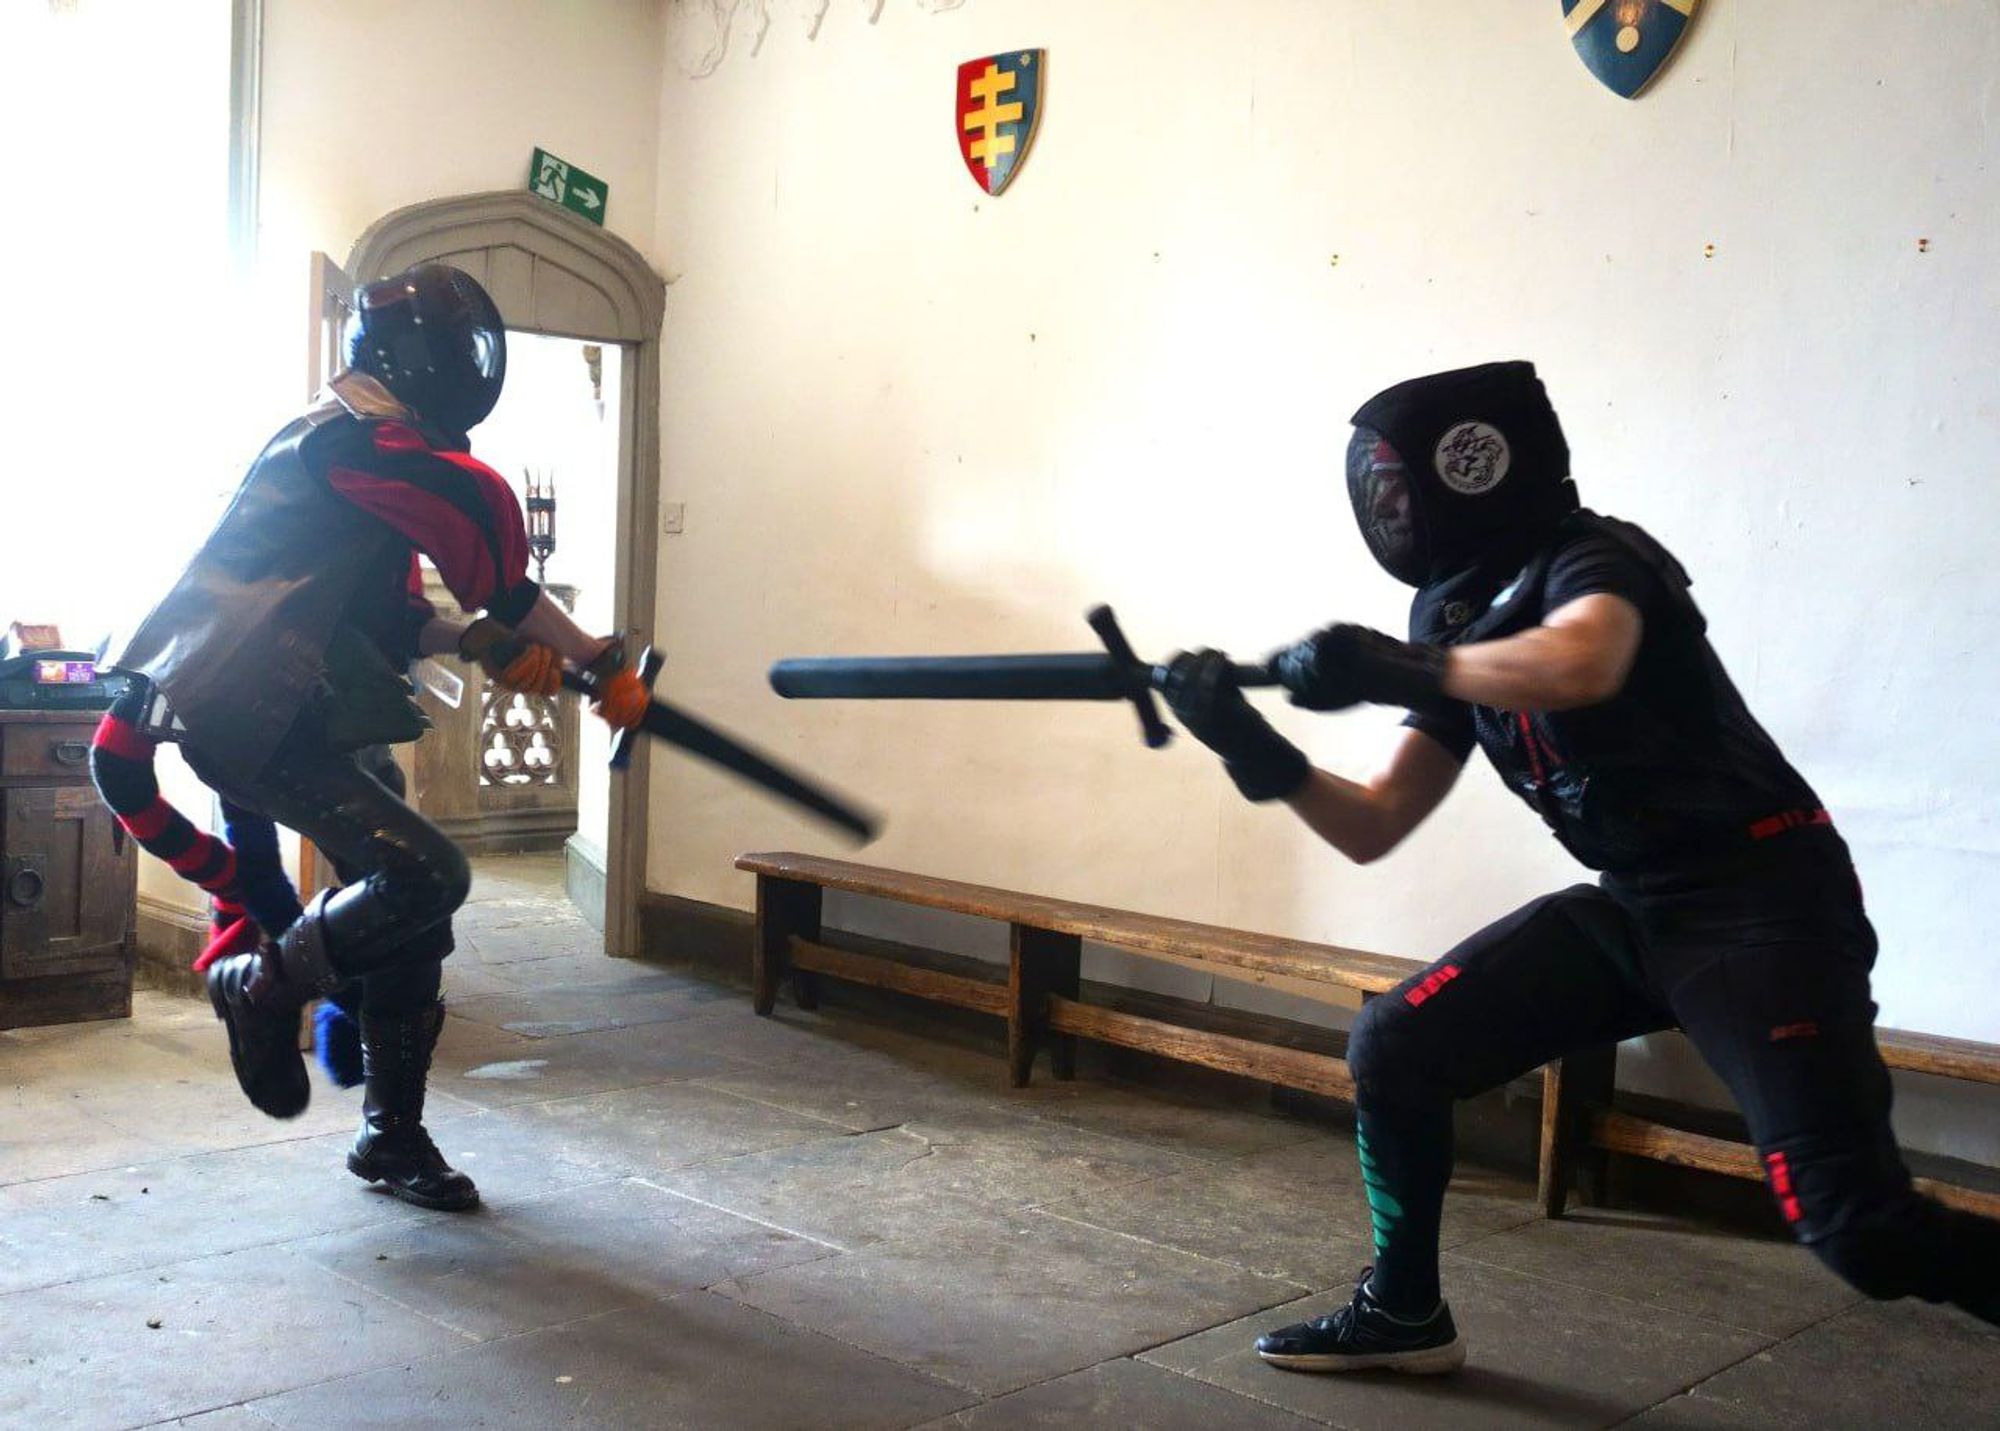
1458 469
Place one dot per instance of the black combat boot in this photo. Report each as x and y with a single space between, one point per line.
258 997
393 1149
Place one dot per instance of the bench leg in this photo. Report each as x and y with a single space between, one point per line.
1039 963
785 908
1570 1086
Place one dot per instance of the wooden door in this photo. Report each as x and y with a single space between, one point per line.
331 301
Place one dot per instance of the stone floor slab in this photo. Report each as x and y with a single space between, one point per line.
1299 1213
487 1067
144 1346
1191 1126
694 1361
1125 1393
551 1013
556 1258
1880 1365
1764 1286
175 1209
1009 1300
228 1418
1540 1354
665 1126
851 1192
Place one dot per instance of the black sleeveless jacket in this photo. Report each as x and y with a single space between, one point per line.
239 644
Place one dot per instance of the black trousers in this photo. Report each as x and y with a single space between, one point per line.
1764 964
391 926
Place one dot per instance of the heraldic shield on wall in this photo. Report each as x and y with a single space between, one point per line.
999 100
1625 43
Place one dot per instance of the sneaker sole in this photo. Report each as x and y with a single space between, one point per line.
1431 1361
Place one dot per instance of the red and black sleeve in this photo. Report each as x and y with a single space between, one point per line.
453 508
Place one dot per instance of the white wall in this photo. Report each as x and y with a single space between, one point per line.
905 417
370 105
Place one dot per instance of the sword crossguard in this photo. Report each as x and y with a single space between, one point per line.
1139 683
628 739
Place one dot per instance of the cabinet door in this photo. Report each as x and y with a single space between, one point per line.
66 883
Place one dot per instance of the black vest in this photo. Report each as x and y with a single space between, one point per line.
239 644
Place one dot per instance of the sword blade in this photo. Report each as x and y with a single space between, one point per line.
698 738
1091 676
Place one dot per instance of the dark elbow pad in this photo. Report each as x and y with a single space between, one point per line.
511 606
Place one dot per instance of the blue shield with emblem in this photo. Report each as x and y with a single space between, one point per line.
1625 43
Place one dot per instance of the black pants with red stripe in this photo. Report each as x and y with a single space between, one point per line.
1765 967
410 876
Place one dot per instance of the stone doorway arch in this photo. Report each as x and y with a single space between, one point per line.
553 273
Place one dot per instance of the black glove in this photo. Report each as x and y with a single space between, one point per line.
1201 691
1344 665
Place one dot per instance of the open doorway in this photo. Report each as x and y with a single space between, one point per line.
562 280
555 435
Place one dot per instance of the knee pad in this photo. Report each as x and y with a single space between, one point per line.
1392 1046
1851 1203
426 877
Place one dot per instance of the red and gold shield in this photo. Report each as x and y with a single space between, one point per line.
999 100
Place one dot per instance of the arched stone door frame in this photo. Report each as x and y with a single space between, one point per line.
551 272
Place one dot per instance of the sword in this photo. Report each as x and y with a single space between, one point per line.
1114 674
687 732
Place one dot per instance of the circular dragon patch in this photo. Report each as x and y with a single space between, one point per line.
1472 458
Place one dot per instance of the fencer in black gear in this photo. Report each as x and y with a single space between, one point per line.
1567 646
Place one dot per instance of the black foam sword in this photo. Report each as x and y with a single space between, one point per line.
1113 674
686 732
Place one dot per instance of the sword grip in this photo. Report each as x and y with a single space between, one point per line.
1140 691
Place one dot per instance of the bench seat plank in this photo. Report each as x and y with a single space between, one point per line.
1934 1053
1293 959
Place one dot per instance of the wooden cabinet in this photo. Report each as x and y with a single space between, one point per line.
68 878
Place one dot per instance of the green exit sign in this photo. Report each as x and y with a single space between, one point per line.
561 182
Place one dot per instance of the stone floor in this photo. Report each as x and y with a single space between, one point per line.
695 1217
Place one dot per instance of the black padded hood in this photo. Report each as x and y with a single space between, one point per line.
1486 465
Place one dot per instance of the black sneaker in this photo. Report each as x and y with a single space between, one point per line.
1362 1335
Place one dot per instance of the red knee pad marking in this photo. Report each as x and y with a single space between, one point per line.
1804 1028
1432 982
1781 1186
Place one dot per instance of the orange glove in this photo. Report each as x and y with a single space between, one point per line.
535 671
514 662
622 699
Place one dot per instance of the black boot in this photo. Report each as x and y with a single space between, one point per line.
393 1148
258 997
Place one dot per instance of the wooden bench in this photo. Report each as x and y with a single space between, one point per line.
1582 1115
1041 1003
1041 999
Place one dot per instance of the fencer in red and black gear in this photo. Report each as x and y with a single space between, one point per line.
1567 646
282 652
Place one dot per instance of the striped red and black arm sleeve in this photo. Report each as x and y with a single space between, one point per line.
121 766
451 507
